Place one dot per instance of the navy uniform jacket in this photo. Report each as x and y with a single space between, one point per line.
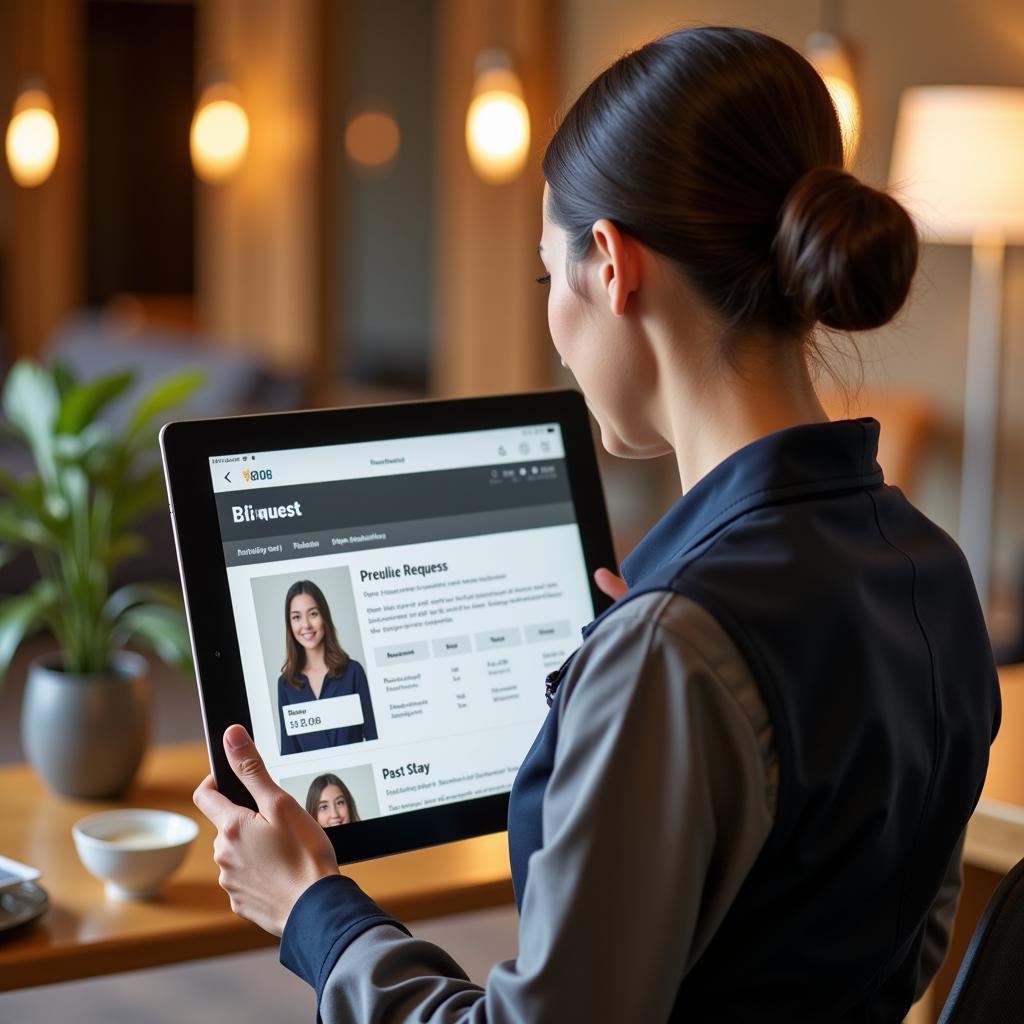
352 680
802 698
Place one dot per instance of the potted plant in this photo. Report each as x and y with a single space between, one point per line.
85 721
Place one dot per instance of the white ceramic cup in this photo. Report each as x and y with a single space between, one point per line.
133 850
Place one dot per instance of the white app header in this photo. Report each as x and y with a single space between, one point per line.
254 470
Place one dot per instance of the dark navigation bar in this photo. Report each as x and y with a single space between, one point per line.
310 544
337 506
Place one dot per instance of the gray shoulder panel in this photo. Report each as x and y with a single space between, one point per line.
658 805
692 626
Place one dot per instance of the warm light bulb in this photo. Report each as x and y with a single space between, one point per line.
847 104
33 140
831 60
219 138
498 127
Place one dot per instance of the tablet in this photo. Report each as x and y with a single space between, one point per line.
378 593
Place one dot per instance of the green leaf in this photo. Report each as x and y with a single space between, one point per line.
138 497
56 506
22 490
75 485
98 445
171 391
23 615
76 514
63 377
76 488
127 545
16 528
85 401
133 594
31 403
160 628
68 447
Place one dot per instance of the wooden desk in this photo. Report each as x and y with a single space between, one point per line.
995 835
82 934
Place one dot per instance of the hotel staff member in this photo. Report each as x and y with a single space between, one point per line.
748 799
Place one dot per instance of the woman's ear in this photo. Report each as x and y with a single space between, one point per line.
619 266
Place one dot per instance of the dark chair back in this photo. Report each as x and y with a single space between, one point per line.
989 986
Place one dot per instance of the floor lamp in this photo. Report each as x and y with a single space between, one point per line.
958 165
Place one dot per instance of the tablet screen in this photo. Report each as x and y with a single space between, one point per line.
398 604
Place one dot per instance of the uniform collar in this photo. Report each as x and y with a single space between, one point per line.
811 459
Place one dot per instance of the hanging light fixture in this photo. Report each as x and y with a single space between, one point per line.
827 50
498 121
831 59
219 139
33 139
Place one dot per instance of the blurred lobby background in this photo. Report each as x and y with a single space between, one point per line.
353 253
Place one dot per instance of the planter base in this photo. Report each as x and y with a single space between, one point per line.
85 735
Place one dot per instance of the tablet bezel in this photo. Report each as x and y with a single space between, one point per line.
187 446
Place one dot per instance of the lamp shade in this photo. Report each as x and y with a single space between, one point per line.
958 161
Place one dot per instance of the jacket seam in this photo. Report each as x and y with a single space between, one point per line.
936 733
726 688
770 691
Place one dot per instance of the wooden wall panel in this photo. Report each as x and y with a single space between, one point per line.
258 235
492 327
43 258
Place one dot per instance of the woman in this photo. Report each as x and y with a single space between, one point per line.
316 667
795 697
330 802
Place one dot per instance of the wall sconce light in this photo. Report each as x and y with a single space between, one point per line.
219 139
33 139
498 121
372 140
831 59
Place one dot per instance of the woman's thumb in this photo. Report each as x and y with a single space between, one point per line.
247 764
610 584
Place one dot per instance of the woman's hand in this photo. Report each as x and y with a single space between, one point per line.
268 857
610 584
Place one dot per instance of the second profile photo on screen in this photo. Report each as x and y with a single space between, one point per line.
313 656
339 797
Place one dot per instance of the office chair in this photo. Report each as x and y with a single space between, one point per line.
989 986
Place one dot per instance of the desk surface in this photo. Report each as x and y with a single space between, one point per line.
995 835
82 934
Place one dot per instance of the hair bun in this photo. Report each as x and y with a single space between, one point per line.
845 253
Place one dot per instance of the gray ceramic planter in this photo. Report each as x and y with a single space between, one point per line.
85 734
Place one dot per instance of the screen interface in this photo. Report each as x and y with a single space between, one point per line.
398 604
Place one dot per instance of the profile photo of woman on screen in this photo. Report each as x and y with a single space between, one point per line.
330 802
316 667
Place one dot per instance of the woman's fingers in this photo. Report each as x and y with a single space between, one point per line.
610 584
217 807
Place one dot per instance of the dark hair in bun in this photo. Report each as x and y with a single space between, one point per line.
720 149
845 252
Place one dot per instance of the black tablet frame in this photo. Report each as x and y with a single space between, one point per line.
187 446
